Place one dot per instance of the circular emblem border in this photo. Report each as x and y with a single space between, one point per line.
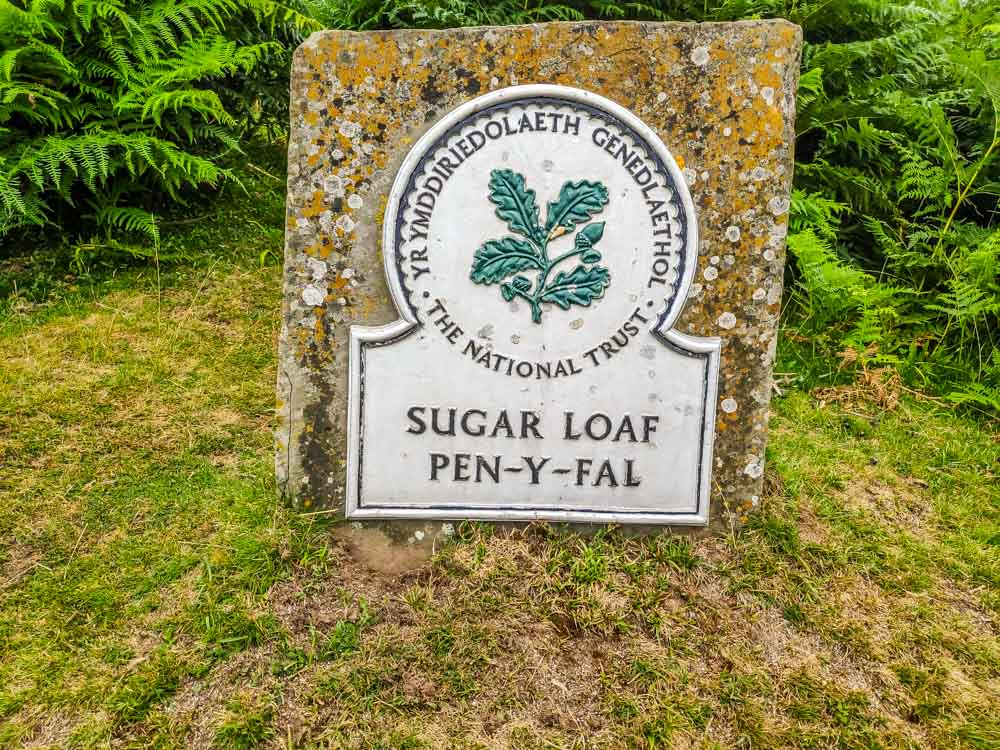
456 119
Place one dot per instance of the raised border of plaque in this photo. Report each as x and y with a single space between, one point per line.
362 338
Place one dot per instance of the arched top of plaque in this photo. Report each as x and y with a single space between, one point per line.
558 198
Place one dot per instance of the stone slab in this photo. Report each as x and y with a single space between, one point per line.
719 96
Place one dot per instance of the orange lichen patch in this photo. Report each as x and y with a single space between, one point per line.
316 205
366 309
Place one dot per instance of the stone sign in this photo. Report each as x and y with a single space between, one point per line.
534 272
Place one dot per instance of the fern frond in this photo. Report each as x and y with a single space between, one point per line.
129 220
204 102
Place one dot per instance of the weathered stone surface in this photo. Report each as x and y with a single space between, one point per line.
720 96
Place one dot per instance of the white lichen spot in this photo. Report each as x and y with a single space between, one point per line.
729 405
769 255
346 224
754 500
714 260
727 131
337 154
448 529
342 301
690 176
661 97
711 273
767 94
418 535
758 174
695 290
577 324
728 261
733 233
727 320
355 201
314 295
349 129
347 273
317 268
356 525
758 295
774 295
778 205
515 339
494 82
754 469
699 55
334 186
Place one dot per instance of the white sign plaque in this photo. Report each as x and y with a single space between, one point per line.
539 243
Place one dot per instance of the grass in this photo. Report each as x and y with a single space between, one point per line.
154 593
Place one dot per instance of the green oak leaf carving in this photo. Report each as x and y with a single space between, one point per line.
497 259
577 203
581 286
515 203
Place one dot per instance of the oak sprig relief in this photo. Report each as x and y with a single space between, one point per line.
498 259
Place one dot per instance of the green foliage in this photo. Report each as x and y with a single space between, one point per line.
897 254
109 107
